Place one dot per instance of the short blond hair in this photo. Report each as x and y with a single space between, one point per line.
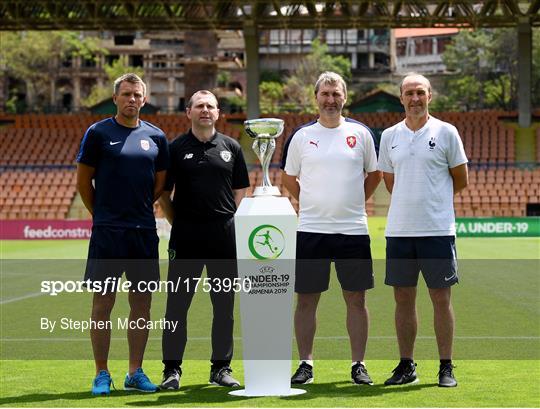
129 77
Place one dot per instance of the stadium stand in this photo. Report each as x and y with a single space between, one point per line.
36 194
499 192
39 146
38 153
37 158
496 188
487 140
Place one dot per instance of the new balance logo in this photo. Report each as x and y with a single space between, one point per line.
188 156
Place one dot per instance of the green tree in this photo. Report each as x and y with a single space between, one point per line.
271 93
536 67
223 78
484 67
463 93
299 88
388 87
270 76
235 103
118 68
33 58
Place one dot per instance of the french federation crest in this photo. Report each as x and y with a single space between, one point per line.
145 144
225 155
351 141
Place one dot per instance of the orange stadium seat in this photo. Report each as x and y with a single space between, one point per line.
35 145
37 193
513 189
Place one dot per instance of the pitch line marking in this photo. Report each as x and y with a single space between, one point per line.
514 338
22 297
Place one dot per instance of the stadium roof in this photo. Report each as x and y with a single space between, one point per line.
235 14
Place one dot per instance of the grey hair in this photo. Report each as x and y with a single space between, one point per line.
413 74
129 77
332 78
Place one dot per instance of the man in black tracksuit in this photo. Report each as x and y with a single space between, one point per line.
209 176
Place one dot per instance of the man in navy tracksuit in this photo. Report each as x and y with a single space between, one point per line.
127 159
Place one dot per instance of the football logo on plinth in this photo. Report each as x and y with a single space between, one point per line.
266 242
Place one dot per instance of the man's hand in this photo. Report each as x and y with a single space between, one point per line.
85 174
239 194
460 177
388 181
166 205
159 184
291 184
371 182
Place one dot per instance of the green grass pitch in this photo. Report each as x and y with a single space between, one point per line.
497 346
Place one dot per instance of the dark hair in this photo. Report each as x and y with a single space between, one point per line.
204 92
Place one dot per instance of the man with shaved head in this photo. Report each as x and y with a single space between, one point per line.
424 165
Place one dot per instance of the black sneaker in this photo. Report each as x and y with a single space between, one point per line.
446 376
222 377
303 375
404 373
171 379
360 375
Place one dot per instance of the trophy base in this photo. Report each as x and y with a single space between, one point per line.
291 392
266 191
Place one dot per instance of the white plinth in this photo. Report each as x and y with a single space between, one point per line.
266 191
266 249
243 392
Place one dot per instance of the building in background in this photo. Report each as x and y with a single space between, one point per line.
421 49
368 50
166 57
177 63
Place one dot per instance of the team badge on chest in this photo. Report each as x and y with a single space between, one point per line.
351 141
145 144
225 155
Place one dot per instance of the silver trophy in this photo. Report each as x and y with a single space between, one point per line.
265 131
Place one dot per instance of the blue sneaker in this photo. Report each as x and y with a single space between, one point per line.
102 384
139 382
